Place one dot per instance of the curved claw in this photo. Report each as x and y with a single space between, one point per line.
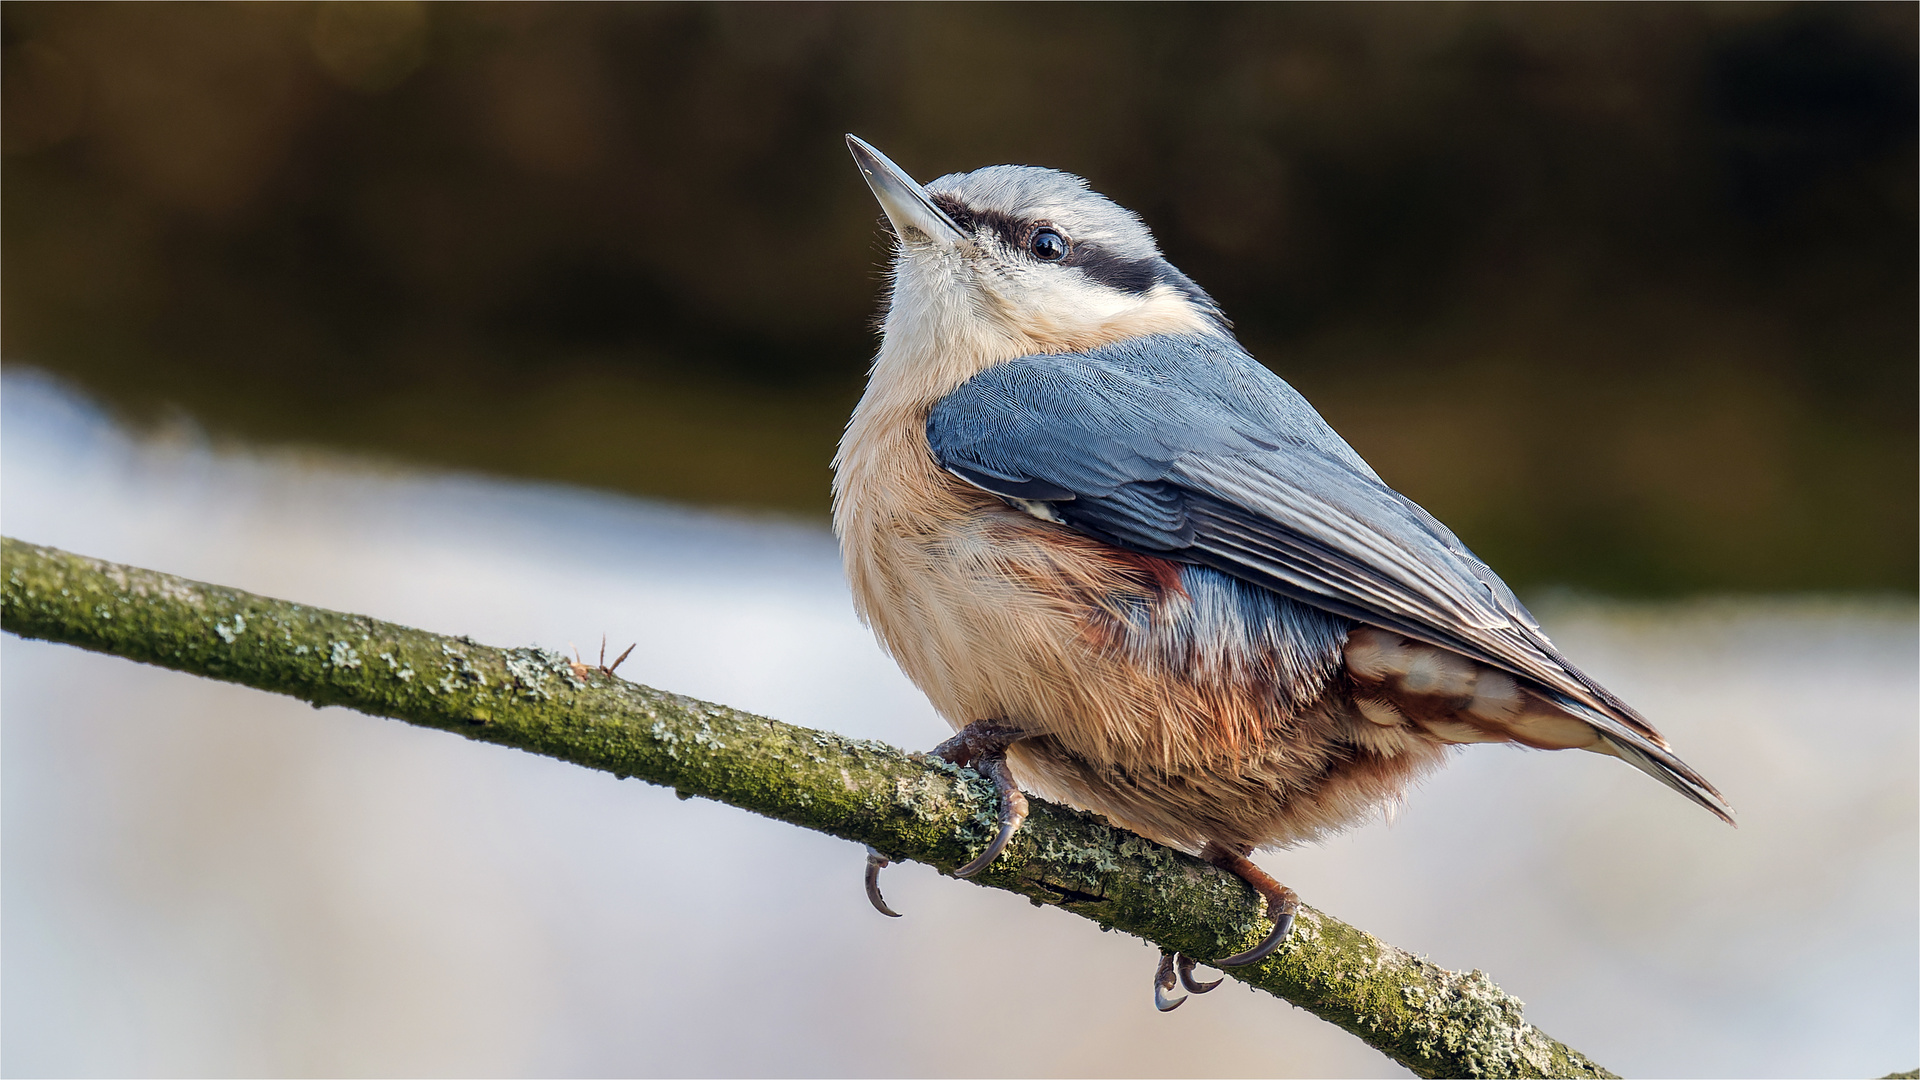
1013 811
1008 823
875 863
1163 981
1185 966
1282 924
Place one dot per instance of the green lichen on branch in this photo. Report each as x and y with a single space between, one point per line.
910 806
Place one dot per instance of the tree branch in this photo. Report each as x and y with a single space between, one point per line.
910 806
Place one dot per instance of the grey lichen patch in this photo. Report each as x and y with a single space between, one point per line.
1478 1029
341 654
1071 852
1467 1017
667 737
148 585
534 669
230 632
929 799
460 670
1306 925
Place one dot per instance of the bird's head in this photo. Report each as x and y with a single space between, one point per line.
1012 260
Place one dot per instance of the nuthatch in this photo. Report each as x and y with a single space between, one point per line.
1138 572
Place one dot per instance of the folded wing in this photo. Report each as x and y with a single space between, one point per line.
1186 448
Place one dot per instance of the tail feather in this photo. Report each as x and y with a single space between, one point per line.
1457 699
1652 758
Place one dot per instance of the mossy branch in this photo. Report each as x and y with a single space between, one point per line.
910 806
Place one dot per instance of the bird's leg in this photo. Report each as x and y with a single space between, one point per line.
1282 902
981 745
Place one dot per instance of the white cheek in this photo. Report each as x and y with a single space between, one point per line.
934 320
1065 298
1058 309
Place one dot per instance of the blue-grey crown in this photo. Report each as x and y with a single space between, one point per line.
1030 193
1110 244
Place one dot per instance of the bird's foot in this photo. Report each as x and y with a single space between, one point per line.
1282 902
1174 966
983 745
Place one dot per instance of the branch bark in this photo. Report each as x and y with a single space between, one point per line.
1434 1021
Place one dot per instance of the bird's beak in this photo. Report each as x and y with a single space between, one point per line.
905 202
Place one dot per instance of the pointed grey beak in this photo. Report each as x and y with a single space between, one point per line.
905 201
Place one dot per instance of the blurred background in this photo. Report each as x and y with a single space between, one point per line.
536 322
1624 294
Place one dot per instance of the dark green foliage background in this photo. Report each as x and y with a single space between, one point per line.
1625 293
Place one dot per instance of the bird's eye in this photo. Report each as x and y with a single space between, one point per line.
1047 245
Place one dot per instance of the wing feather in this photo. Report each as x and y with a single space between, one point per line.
1186 448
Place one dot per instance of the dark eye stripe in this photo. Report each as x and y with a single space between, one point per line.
1100 264
1103 266
1008 228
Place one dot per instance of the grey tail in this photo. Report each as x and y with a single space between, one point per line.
1652 758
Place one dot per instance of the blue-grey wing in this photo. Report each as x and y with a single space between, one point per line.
1186 448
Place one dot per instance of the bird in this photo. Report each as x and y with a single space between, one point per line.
1136 571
